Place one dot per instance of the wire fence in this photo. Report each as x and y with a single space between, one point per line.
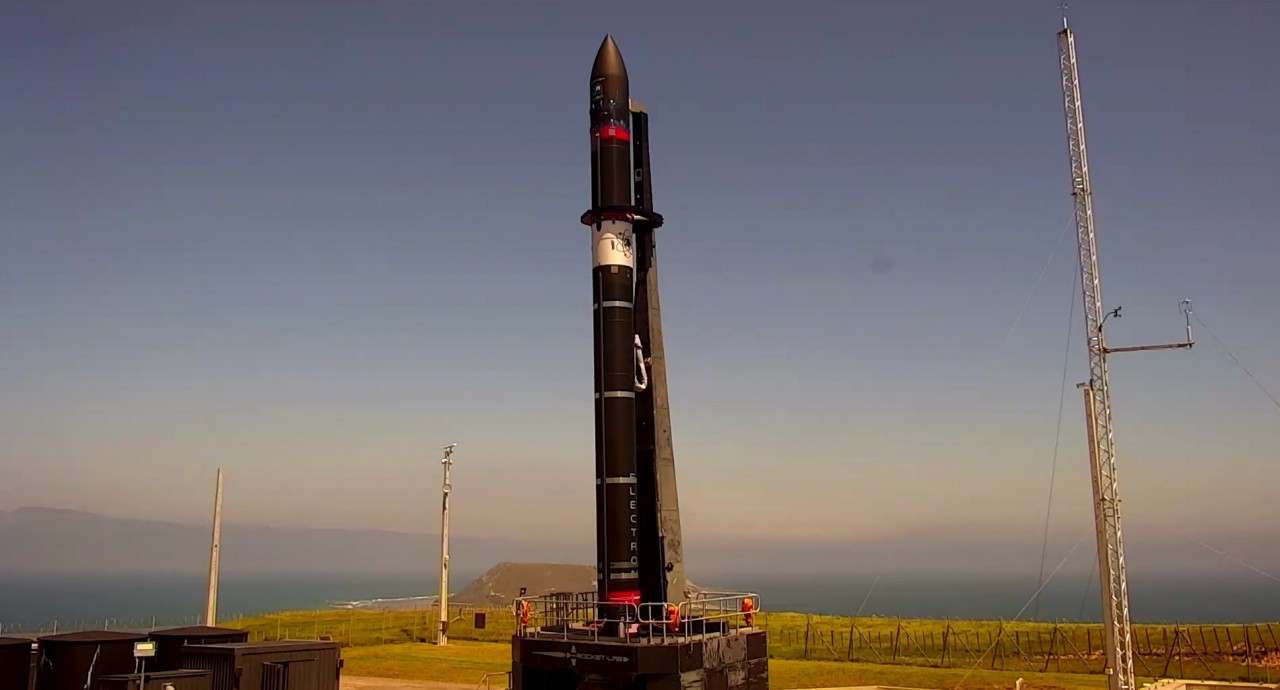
1249 652
1209 652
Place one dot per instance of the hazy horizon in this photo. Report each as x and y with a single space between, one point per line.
312 242
72 566
40 540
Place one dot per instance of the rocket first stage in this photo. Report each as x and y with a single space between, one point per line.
613 306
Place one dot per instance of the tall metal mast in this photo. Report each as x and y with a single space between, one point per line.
442 635
215 553
1097 391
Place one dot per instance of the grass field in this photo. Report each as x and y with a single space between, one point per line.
813 651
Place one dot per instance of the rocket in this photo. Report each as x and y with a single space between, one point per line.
610 219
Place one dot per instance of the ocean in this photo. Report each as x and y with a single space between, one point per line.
30 603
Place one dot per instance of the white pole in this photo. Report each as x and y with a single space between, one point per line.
211 605
442 638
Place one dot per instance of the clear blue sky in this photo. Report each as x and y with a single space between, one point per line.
313 241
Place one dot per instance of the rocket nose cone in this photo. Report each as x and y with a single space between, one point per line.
608 61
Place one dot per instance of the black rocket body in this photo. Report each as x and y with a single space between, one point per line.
613 306
647 632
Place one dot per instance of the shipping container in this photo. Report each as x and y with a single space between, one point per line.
169 643
75 661
183 679
15 662
284 665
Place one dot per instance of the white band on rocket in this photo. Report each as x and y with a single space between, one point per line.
611 244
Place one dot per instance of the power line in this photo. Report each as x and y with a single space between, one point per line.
1032 293
1088 585
1228 556
1057 437
1021 611
1256 382
866 598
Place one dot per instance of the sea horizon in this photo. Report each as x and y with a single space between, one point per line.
41 603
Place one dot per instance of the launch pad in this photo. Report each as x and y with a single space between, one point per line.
566 642
638 630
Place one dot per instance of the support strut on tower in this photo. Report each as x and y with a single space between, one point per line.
1097 391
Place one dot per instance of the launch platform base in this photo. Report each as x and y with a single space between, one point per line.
734 661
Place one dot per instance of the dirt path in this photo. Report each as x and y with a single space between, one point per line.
358 683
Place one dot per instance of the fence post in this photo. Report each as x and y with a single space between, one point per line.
1177 633
1057 651
897 636
807 628
852 631
1000 648
1248 653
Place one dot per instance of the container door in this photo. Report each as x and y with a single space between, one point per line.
275 676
